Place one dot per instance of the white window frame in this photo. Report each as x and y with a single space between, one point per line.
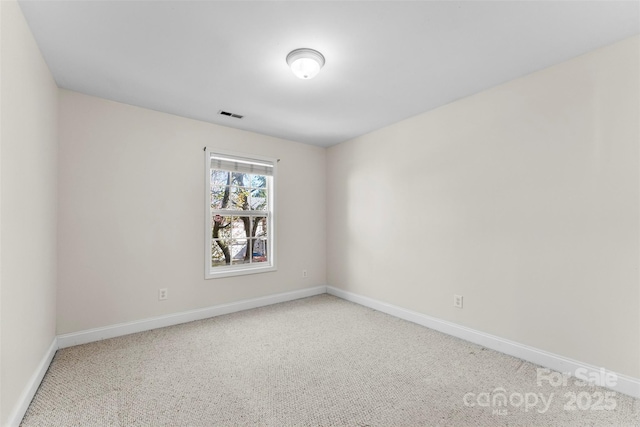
240 269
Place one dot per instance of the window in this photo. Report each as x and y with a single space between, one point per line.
239 214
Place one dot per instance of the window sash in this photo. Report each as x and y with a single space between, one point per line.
229 212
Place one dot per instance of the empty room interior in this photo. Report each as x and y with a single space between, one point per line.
319 213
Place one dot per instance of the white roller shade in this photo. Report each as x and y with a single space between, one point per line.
238 164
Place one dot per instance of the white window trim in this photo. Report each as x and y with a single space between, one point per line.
241 269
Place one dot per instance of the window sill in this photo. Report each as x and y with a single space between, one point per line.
221 272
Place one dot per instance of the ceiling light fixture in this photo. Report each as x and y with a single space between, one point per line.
305 63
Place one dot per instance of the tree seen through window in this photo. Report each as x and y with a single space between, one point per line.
239 208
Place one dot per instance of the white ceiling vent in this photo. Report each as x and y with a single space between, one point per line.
226 113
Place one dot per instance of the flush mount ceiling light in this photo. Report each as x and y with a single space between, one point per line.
305 63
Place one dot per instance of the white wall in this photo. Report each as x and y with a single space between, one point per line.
523 199
28 194
131 214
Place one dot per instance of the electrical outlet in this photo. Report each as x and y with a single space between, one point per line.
163 293
457 301
304 273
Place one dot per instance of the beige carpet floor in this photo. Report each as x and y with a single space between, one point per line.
319 361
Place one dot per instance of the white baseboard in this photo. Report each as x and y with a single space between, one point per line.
32 386
120 329
623 384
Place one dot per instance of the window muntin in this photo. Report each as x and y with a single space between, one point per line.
239 215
